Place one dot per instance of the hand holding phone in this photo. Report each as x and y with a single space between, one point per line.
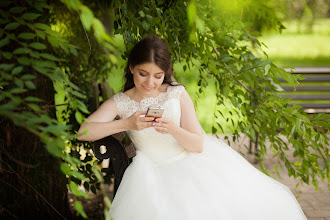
155 112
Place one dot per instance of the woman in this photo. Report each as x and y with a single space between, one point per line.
179 172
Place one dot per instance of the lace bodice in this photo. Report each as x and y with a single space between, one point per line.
159 147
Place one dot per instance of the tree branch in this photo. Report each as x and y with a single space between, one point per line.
237 80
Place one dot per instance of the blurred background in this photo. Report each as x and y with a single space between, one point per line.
302 41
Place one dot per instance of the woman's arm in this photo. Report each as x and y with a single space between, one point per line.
189 133
100 124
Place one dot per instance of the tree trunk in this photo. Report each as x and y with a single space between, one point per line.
32 185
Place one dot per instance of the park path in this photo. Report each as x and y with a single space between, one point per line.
316 205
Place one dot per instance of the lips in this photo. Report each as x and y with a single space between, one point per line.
147 88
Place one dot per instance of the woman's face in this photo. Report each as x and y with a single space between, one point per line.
148 77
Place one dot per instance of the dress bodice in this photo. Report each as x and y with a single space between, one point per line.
159 147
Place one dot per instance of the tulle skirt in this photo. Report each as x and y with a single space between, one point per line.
216 184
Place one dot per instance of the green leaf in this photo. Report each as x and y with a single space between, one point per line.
256 127
65 169
12 26
191 13
41 34
298 122
86 17
6 67
37 46
4 42
34 107
78 175
98 28
33 99
78 94
28 77
200 25
30 16
19 83
22 50
53 41
24 60
17 70
39 5
52 148
16 10
30 85
73 4
141 13
7 55
253 134
226 91
79 207
79 117
227 58
26 36
74 189
317 137
18 90
74 51
42 26
49 56
145 25
35 54
267 69
297 164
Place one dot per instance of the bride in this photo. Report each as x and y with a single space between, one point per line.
178 172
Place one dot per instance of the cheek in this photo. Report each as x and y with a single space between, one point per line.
137 79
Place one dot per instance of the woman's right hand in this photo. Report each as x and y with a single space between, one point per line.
137 122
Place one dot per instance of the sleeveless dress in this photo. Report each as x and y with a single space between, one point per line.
166 182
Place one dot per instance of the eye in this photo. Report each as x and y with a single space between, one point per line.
142 74
159 76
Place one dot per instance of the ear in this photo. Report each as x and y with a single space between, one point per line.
130 69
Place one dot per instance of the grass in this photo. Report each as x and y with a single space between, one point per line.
299 47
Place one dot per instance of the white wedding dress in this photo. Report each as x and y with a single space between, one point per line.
166 182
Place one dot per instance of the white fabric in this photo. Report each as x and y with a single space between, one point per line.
165 181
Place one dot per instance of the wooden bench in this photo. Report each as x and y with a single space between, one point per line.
312 94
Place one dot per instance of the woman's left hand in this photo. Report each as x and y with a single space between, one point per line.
164 125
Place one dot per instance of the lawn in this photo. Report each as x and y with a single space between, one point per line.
296 47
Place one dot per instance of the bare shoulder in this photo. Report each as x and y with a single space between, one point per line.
106 112
184 95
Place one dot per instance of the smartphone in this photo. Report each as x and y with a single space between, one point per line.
155 112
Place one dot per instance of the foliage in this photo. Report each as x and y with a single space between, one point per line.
29 48
78 53
306 12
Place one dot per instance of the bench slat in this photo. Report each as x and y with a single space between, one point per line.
309 78
307 97
313 105
306 88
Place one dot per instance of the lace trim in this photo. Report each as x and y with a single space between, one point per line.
127 106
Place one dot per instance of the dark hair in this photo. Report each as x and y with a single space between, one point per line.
150 49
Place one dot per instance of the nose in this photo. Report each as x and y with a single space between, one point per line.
149 81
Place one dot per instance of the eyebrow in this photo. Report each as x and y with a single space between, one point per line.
148 72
